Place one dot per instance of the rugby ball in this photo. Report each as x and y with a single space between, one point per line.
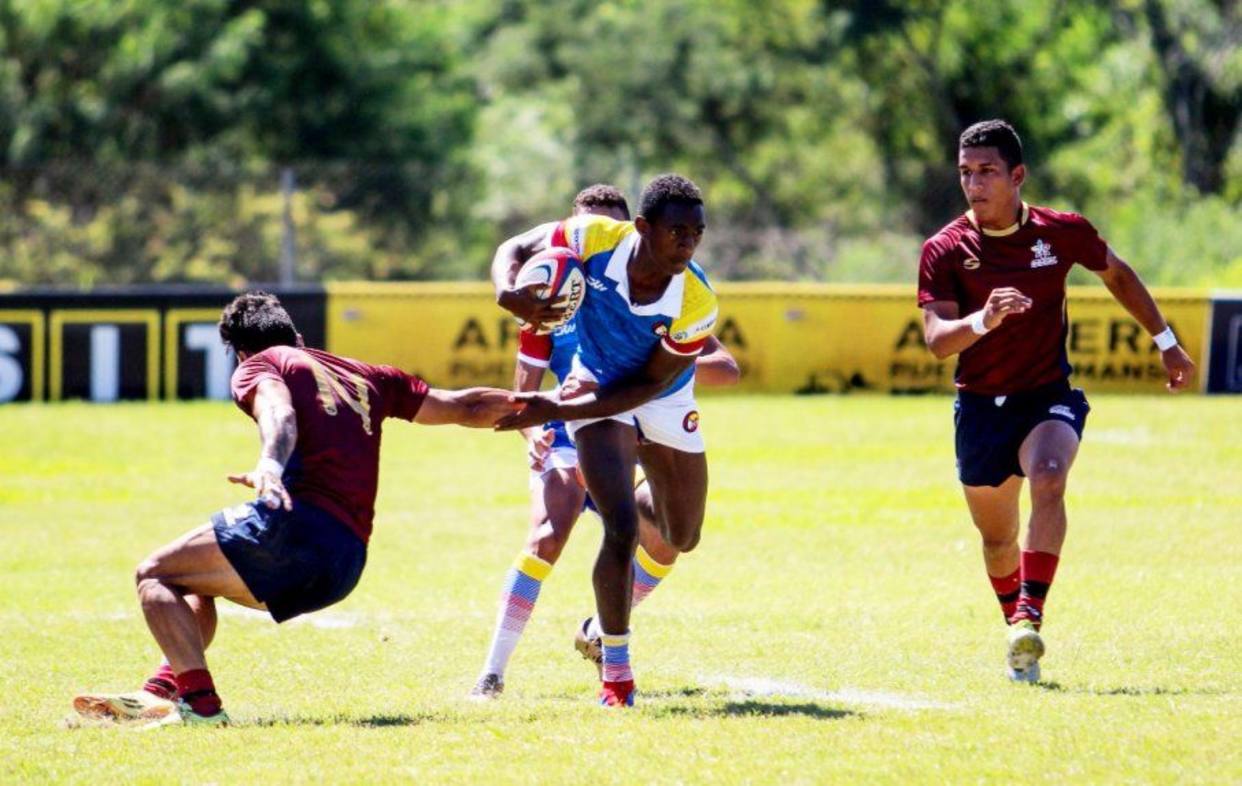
553 274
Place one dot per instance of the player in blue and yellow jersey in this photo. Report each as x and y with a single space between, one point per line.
648 313
557 493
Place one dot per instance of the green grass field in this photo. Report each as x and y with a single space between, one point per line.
834 625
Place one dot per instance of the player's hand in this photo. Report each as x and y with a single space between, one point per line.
1001 303
1180 367
575 386
536 409
535 312
269 488
538 447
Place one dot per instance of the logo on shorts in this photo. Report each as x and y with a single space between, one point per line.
1062 410
691 422
1043 254
660 329
237 513
970 263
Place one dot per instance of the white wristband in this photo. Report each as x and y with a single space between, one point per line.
1165 340
976 323
270 466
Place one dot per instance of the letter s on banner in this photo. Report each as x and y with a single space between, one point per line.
11 376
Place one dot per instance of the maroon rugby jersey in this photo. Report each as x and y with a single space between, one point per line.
963 264
340 405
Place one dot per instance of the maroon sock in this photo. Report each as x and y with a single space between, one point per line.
1038 569
162 683
1006 588
197 690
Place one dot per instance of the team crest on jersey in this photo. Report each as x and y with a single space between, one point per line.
970 263
691 421
1043 254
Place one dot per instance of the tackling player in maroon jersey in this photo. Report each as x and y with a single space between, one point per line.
302 544
992 289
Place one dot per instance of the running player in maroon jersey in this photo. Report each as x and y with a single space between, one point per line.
302 544
992 289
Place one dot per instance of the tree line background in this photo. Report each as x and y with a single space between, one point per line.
146 140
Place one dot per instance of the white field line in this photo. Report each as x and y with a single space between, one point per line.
750 687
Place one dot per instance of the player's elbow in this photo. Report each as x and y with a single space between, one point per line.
938 346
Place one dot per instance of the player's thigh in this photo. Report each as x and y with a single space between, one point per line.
606 456
678 483
994 509
195 564
1050 447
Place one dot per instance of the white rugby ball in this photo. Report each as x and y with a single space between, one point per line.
554 274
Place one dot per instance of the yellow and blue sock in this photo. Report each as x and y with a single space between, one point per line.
517 601
617 657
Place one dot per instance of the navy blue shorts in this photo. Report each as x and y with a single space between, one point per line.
294 561
990 429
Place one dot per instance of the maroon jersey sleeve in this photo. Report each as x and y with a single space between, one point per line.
936 271
248 375
1090 250
403 393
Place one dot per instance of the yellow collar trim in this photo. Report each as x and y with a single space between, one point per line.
1025 216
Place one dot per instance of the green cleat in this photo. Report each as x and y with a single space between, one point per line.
185 716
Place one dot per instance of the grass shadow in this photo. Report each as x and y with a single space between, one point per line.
1131 690
752 708
365 722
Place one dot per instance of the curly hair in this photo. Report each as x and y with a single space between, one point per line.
602 195
994 133
666 190
255 321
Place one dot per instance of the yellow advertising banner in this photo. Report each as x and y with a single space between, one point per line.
803 338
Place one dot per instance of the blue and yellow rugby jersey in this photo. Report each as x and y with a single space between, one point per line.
615 337
554 351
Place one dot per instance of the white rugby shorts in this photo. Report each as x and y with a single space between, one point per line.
672 421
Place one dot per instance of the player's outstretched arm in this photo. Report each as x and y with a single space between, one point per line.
716 365
272 408
662 370
473 407
1131 293
948 333
507 261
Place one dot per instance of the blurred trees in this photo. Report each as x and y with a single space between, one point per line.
143 140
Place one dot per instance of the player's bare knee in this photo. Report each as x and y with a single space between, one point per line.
547 542
1048 479
687 542
146 570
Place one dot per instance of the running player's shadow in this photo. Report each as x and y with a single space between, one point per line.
1130 690
753 708
769 709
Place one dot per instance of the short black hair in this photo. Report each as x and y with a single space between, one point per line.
602 195
666 190
994 133
255 321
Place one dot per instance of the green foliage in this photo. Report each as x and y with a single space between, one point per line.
144 141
